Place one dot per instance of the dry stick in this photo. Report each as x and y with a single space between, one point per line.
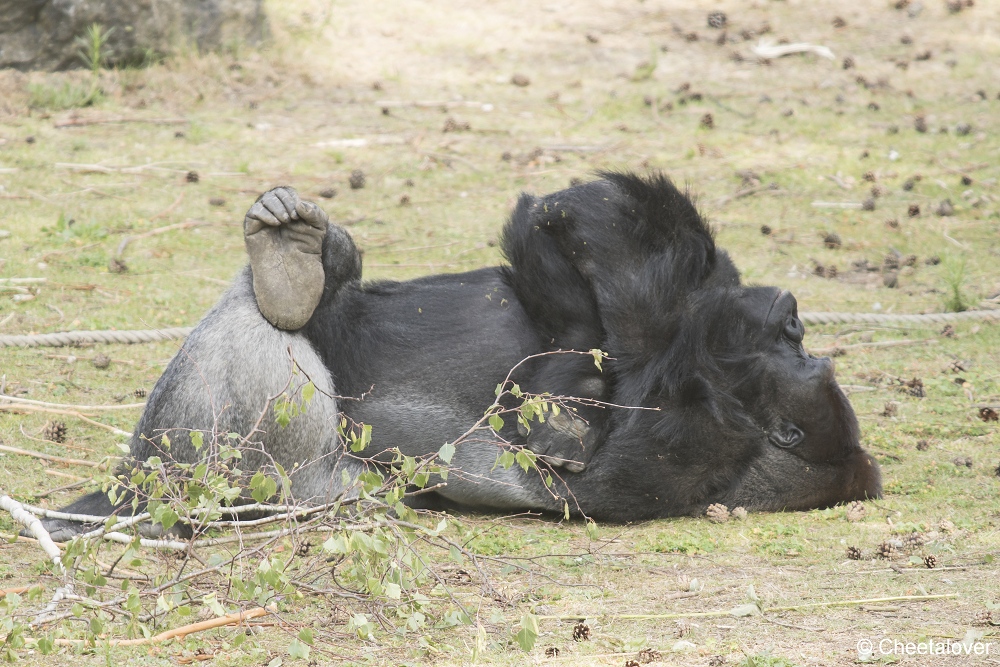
70 413
187 224
68 487
181 632
726 612
35 527
49 457
64 406
888 343
79 122
11 591
165 212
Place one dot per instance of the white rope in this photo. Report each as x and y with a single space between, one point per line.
923 319
156 335
78 337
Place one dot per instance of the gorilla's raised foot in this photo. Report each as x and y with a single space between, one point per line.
564 440
284 239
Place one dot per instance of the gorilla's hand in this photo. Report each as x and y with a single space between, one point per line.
284 239
563 440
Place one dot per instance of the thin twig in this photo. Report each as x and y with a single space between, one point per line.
74 121
48 457
178 633
63 406
726 612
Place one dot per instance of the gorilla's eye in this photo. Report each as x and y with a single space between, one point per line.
794 330
788 435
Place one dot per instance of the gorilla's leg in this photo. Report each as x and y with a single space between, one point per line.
561 304
235 365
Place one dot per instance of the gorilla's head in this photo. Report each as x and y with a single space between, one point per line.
810 454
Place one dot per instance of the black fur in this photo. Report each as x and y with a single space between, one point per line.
723 404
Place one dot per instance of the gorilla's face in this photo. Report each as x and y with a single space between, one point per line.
812 456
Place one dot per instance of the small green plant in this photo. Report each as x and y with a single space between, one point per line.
67 96
94 51
955 276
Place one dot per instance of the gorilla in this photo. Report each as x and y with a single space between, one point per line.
705 396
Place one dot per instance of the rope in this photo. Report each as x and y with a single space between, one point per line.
78 337
888 318
157 335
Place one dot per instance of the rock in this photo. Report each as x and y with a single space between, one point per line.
41 34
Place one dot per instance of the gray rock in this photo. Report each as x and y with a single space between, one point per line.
42 34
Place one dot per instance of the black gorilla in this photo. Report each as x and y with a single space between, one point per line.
734 410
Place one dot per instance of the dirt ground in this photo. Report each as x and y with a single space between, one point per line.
450 110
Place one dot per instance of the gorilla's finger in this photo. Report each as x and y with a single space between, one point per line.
257 218
275 206
289 199
312 214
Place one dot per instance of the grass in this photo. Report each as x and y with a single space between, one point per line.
276 117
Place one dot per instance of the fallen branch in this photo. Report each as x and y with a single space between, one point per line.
165 212
49 457
727 612
187 224
836 204
64 406
68 487
887 343
771 50
181 632
74 121
13 591
35 527
70 413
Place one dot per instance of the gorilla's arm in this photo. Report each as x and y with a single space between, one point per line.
561 305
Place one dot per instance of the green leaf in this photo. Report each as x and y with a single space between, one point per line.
262 487
592 531
750 609
197 440
526 459
297 650
446 452
507 460
496 422
528 633
599 356
308 391
306 636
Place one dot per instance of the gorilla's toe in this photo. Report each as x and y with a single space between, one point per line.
284 239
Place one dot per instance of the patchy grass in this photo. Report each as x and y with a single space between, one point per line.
393 74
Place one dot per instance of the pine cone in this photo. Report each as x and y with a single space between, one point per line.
914 540
581 632
54 431
552 652
631 663
854 553
717 513
139 393
101 361
885 551
739 513
930 560
984 617
648 655
717 20
856 511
